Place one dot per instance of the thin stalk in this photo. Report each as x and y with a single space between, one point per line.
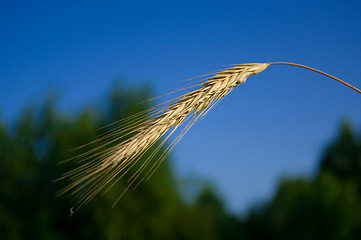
318 71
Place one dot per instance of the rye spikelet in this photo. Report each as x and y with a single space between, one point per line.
122 148
101 168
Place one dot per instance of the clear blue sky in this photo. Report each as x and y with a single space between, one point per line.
275 124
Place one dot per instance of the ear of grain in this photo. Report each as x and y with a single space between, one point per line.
122 149
102 167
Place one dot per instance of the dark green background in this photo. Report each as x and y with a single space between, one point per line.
324 206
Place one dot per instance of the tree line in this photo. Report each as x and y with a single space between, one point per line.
324 206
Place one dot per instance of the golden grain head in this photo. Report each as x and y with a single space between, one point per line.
103 166
131 151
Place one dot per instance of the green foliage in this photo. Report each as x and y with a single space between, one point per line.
327 207
343 156
41 138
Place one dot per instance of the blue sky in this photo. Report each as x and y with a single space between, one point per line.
275 124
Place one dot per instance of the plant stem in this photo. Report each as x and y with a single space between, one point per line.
318 71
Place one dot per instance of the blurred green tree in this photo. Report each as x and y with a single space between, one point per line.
327 207
207 218
30 152
343 156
